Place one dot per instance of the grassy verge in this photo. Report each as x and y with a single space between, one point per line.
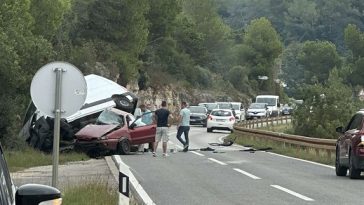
284 149
29 157
92 193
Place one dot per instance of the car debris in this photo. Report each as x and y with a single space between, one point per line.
102 93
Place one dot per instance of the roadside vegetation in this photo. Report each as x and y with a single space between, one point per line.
283 149
90 193
313 47
28 157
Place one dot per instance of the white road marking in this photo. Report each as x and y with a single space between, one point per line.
199 154
292 193
217 161
302 160
246 173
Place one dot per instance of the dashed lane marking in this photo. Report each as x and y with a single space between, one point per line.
246 173
292 193
217 161
197 153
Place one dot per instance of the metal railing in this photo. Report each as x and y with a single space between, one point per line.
248 128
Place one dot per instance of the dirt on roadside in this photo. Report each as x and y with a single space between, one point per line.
70 174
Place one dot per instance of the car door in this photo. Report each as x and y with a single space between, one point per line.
141 133
352 128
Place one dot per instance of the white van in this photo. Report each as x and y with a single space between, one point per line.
272 102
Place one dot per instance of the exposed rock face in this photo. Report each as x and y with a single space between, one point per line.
175 95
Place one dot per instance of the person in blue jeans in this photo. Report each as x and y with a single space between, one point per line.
183 125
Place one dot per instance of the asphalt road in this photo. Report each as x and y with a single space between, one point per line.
235 176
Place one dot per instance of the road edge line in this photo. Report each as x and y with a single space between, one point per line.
135 185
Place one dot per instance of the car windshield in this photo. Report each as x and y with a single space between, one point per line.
224 106
109 117
236 106
221 113
209 106
269 101
197 109
257 106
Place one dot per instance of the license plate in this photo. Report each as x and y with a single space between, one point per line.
220 120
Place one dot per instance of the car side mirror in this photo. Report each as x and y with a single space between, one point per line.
132 125
340 129
37 194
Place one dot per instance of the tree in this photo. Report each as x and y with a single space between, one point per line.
48 16
261 46
122 26
292 72
325 107
318 58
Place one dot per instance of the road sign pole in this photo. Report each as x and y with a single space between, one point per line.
57 126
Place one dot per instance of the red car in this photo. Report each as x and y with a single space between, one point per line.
350 147
115 131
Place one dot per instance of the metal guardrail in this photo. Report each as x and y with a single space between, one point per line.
247 127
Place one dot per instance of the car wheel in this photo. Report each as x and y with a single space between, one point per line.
353 172
232 130
209 129
124 147
340 170
204 125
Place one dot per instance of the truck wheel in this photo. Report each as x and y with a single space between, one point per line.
124 147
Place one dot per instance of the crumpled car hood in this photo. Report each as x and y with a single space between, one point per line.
94 131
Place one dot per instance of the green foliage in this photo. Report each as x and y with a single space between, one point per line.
354 40
261 46
90 193
318 59
292 71
325 107
48 15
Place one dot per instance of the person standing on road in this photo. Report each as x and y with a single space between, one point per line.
161 117
183 125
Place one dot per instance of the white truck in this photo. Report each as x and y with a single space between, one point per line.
272 102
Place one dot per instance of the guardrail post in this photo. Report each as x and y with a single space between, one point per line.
261 122
328 154
124 184
317 152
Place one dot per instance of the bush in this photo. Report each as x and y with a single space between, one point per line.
325 107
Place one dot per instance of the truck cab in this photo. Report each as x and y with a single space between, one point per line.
272 102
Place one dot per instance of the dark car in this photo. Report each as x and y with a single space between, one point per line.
198 115
350 147
29 194
115 131
287 110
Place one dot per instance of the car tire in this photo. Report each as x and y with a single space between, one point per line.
204 125
209 129
232 131
124 147
354 173
340 170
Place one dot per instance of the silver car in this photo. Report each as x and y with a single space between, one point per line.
257 110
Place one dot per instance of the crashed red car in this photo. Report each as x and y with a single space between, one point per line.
115 131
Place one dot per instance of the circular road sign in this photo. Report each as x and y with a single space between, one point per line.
73 89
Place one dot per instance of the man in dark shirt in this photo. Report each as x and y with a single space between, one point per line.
161 118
